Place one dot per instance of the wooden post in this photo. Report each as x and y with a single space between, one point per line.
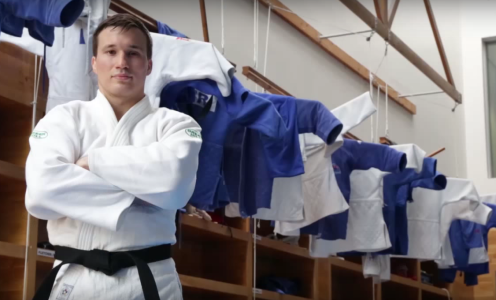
439 42
204 21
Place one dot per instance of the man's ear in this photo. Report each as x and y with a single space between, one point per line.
93 65
150 65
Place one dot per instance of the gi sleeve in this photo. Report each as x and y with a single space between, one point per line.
58 13
163 173
314 117
58 188
436 183
382 157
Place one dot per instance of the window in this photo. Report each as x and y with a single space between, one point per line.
490 57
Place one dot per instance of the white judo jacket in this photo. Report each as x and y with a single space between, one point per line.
142 169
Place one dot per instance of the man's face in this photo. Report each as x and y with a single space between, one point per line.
121 63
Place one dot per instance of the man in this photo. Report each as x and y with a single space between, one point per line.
109 175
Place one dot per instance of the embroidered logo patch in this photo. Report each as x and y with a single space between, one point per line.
336 168
39 134
193 133
65 292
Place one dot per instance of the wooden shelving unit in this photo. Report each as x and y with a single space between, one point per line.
16 96
214 261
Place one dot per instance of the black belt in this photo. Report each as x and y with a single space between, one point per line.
109 263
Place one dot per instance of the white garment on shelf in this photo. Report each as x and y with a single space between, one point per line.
68 61
180 59
287 201
366 229
127 200
321 194
431 213
377 266
476 255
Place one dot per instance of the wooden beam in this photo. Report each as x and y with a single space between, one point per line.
273 88
121 7
263 81
439 42
381 10
204 21
402 48
333 50
393 13
384 11
378 11
437 152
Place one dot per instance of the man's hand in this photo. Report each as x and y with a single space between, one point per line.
83 163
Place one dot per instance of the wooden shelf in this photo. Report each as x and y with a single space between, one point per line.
189 222
432 289
11 171
45 259
200 284
12 250
268 295
280 246
405 281
348 265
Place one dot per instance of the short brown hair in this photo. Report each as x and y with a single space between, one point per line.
126 22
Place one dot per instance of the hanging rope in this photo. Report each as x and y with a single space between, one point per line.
267 43
378 109
371 89
36 84
387 111
222 43
447 293
255 38
254 258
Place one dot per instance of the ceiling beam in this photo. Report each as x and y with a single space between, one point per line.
203 12
273 88
336 52
378 11
439 42
381 10
122 7
402 48
384 11
393 13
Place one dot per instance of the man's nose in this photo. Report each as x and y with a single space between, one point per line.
122 60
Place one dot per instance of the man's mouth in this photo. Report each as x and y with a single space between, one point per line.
122 76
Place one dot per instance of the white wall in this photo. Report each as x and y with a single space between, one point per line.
306 71
478 22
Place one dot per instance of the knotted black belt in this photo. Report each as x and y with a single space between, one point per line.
109 263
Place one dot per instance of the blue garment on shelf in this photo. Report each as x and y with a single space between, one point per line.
165 29
39 16
438 182
354 155
264 158
464 236
216 114
279 285
392 184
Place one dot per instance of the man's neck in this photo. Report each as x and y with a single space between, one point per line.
121 105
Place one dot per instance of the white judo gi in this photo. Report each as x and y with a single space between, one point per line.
142 169
321 194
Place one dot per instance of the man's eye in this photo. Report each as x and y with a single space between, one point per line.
111 52
133 53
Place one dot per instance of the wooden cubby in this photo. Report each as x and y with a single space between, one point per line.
16 114
213 261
